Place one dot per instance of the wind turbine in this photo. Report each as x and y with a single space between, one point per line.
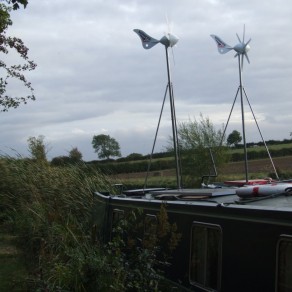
168 40
241 50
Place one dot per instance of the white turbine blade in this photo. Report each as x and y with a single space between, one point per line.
238 38
246 47
236 55
169 39
173 39
247 58
147 41
223 48
172 52
167 23
243 33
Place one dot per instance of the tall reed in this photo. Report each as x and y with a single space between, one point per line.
50 209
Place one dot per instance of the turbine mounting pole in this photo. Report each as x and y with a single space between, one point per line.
169 40
242 118
174 125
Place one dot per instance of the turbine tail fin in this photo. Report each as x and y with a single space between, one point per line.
223 48
147 41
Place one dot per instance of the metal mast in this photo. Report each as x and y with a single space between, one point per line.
169 40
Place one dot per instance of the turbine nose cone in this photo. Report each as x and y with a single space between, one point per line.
247 48
172 39
241 48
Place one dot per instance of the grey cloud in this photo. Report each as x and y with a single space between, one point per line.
93 74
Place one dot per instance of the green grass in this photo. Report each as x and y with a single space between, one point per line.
12 268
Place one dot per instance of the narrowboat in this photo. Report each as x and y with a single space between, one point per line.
229 241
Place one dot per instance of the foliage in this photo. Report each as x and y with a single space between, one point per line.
5 9
234 138
75 155
51 211
37 148
116 167
139 256
12 268
61 161
15 3
135 156
14 71
196 140
105 146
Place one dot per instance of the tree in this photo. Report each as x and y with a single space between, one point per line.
105 146
75 155
37 148
196 139
8 43
234 138
134 156
61 161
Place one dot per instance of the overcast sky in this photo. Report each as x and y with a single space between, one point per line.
94 77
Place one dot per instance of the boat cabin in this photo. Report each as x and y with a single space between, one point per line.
232 239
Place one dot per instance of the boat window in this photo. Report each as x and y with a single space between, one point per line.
284 264
205 257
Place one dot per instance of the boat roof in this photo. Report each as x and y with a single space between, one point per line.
193 194
224 196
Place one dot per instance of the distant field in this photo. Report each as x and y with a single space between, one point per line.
284 164
257 168
262 148
234 170
233 150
